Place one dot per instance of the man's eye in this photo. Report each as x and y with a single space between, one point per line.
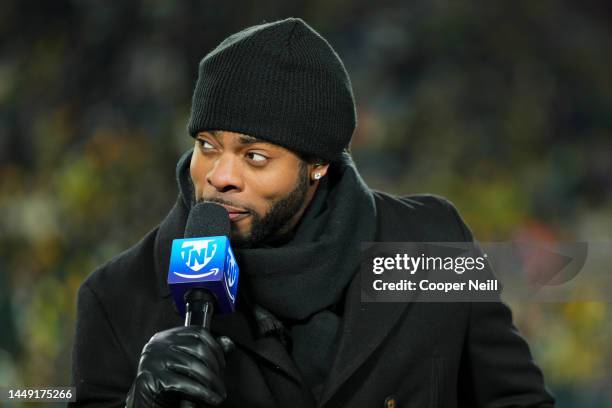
205 145
256 157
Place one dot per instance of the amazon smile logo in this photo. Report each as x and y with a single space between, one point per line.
196 255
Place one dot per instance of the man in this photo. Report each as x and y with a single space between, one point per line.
272 117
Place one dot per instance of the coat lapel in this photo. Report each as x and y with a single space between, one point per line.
280 372
365 326
237 327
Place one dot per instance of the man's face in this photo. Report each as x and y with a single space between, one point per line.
264 187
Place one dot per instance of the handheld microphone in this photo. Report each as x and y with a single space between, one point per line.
203 273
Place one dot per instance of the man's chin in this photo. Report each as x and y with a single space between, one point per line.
240 239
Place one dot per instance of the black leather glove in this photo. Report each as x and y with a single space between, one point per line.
183 363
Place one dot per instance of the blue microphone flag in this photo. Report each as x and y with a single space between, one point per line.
207 262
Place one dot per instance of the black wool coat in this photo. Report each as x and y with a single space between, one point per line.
389 354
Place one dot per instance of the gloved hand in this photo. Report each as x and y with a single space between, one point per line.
183 363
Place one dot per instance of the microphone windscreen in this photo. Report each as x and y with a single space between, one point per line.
207 219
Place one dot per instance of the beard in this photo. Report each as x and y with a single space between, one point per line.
272 225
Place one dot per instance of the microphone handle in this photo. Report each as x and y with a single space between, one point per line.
199 309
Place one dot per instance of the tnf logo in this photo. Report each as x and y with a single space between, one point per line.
196 255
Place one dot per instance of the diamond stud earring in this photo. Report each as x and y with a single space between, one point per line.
317 176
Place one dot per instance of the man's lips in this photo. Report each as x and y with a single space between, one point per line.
237 216
235 213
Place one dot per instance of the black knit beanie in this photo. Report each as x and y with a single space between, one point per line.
281 82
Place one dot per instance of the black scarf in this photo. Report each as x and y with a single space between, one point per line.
298 287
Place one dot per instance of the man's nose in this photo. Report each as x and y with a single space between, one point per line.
225 174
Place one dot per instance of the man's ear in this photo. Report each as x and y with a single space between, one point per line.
318 171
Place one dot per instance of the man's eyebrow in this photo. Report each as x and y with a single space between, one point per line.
242 139
214 133
247 140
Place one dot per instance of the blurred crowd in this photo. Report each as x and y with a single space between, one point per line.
503 107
